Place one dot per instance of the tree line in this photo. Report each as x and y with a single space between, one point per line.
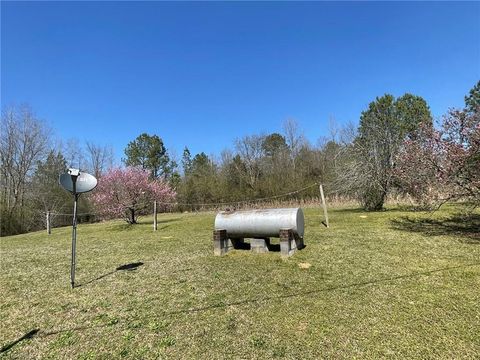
31 161
397 148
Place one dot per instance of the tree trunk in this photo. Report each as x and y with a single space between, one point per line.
132 216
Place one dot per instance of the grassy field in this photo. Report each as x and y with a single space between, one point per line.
389 284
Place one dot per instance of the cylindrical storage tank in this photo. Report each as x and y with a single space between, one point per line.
260 223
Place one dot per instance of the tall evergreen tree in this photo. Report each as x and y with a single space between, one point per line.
48 194
186 161
472 100
274 144
383 127
148 152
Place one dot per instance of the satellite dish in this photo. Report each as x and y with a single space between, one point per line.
85 182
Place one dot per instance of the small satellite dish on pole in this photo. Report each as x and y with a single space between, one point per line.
84 182
77 183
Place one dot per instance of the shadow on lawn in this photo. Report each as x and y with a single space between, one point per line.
357 210
466 227
42 333
27 336
247 246
127 267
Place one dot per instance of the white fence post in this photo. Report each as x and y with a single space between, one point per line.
155 215
324 205
49 223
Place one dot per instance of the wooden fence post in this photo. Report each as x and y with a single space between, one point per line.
49 223
324 205
155 215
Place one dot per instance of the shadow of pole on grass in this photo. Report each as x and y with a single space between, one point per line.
42 334
126 267
27 336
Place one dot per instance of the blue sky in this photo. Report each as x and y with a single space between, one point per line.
202 74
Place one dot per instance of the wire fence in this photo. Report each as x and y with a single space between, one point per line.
237 204
54 219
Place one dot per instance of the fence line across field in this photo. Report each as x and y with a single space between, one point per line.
81 214
240 201
49 214
207 204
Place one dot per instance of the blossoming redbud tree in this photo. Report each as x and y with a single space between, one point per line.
442 165
129 192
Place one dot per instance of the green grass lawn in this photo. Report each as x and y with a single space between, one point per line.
388 284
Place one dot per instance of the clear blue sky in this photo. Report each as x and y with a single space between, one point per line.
201 74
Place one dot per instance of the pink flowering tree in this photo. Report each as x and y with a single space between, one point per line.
442 165
416 168
129 192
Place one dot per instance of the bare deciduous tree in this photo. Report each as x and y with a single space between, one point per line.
294 138
251 152
99 158
24 140
74 154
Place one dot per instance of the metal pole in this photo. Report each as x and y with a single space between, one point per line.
74 242
74 233
155 215
324 205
